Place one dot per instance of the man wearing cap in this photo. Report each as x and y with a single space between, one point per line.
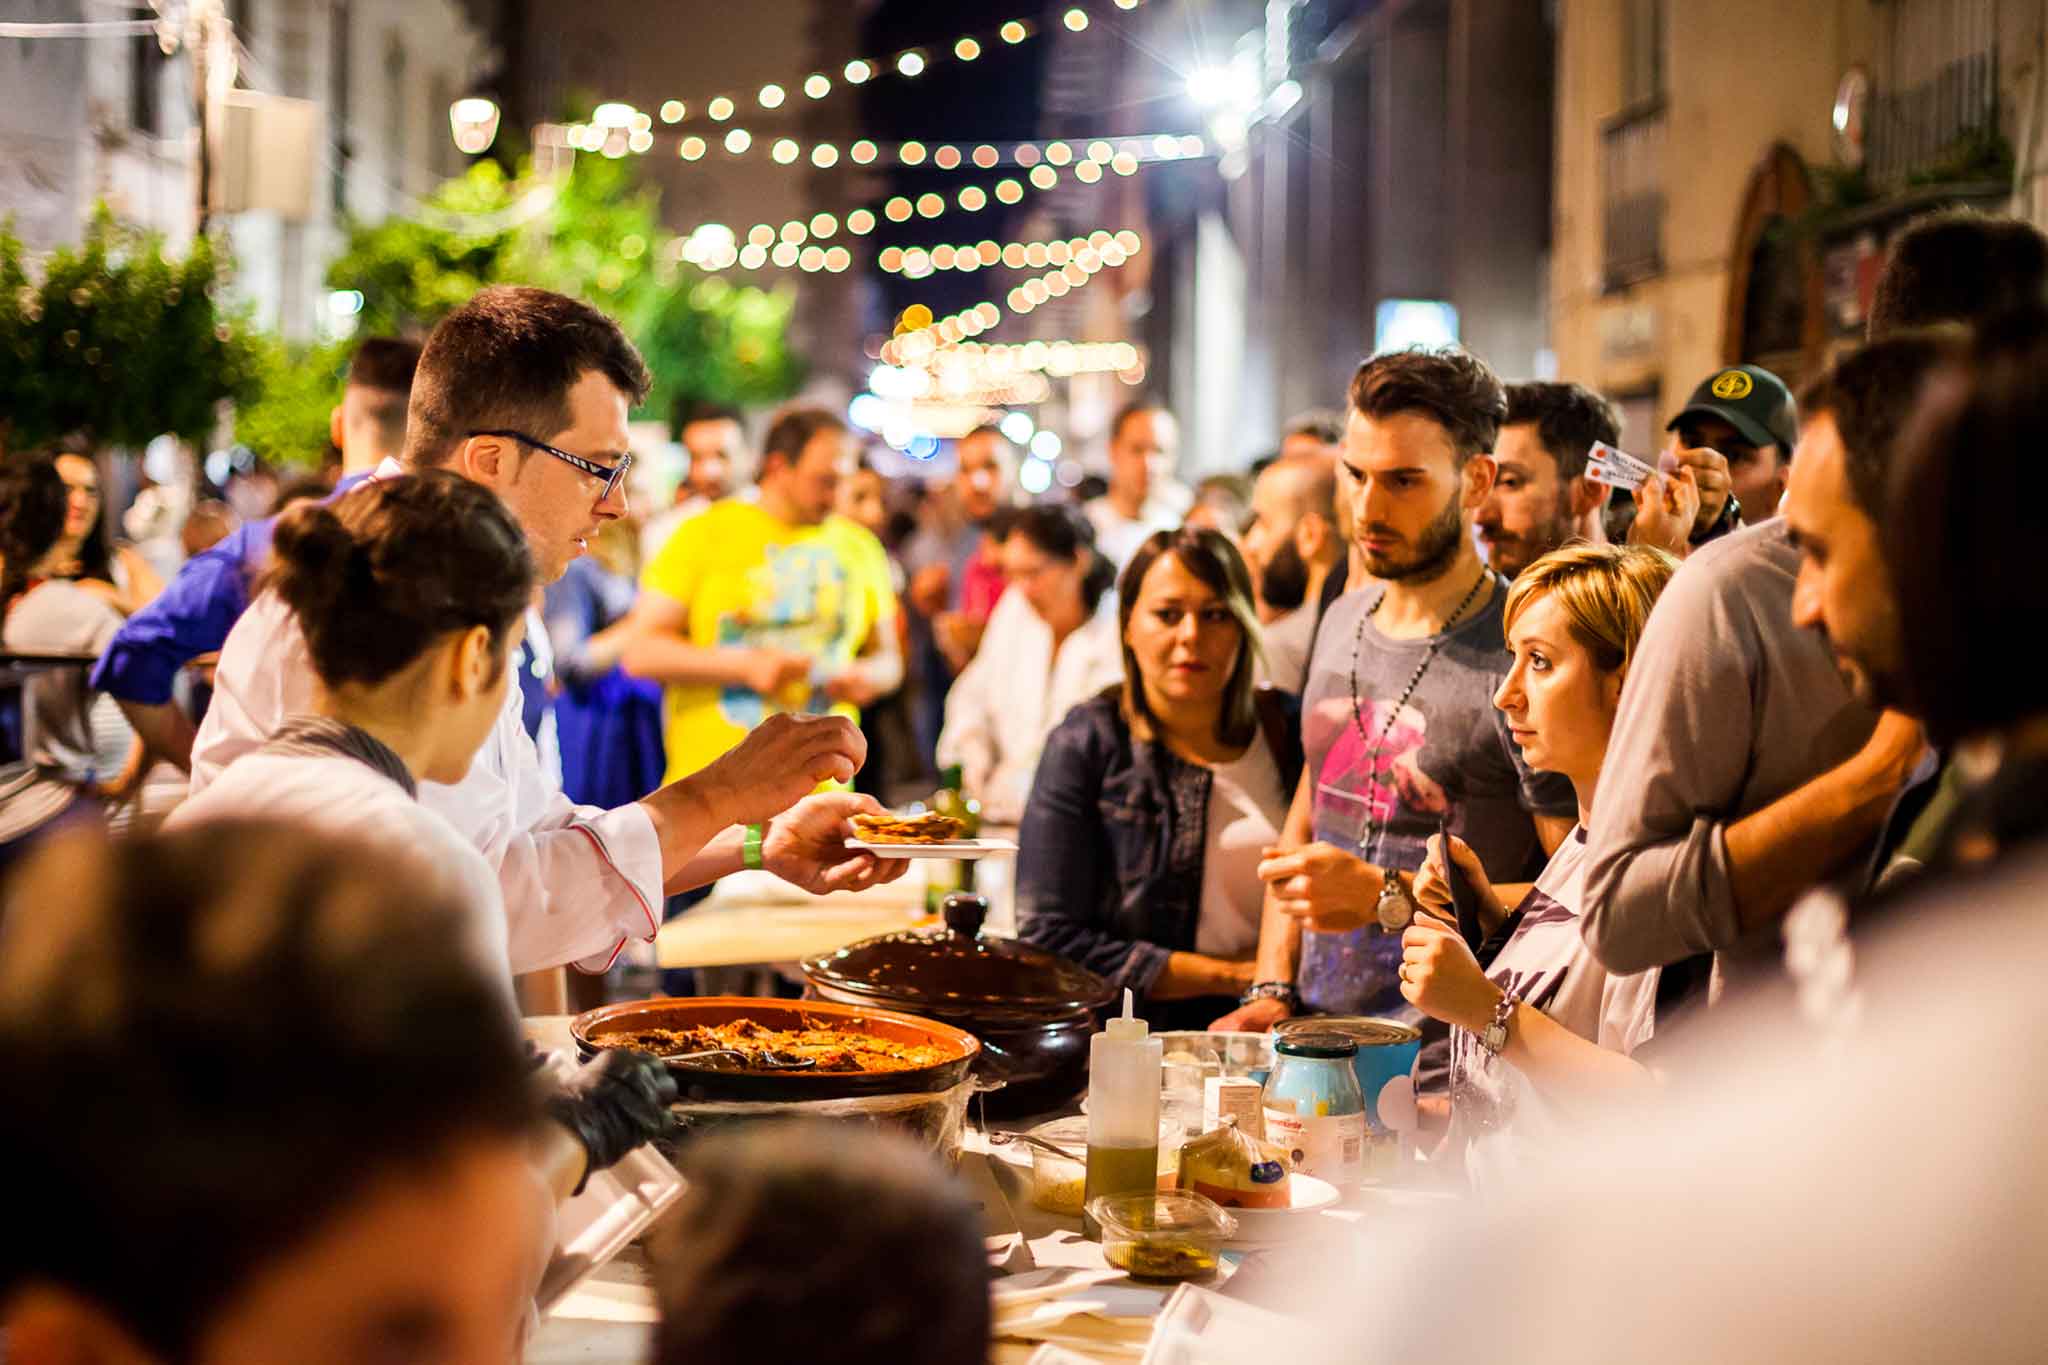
1746 415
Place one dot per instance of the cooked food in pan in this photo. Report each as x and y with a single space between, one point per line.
929 828
836 1050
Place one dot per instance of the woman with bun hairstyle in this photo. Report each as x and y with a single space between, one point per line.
410 593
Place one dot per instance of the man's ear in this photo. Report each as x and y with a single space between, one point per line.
1588 496
336 428
1312 534
488 460
1478 477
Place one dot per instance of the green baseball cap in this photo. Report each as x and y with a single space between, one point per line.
1752 400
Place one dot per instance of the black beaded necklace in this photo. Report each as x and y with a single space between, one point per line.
1373 746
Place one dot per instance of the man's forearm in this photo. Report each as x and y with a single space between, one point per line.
1279 945
662 657
1778 853
164 728
697 843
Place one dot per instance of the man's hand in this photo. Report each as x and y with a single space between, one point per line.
1894 747
1710 474
929 589
1440 977
958 636
781 761
766 672
1322 885
1667 510
614 1104
853 687
807 846
1257 1017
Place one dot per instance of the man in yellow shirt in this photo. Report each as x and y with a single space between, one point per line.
767 603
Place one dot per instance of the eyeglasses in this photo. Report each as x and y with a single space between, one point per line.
613 475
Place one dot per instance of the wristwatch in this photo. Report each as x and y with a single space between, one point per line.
1283 991
1494 1036
1395 907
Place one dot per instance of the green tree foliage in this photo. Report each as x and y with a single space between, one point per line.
297 390
117 341
595 234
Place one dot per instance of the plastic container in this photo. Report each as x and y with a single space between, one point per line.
1387 1050
1162 1236
1313 1108
1059 1185
1123 1110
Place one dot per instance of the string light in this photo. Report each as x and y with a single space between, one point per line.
1077 19
1015 255
910 63
691 148
967 49
824 155
817 85
860 222
720 109
673 111
823 225
771 97
864 151
785 150
738 140
858 71
1015 32
947 158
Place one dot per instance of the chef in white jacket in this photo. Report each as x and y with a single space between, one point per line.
526 392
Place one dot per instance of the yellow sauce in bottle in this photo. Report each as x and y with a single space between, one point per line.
1119 1170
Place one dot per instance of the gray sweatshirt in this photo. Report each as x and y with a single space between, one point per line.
1727 707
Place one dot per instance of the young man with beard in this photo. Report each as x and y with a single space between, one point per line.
1541 496
1398 717
1292 546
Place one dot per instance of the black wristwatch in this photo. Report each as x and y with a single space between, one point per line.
1283 991
1730 518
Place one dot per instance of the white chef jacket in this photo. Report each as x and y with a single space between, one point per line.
1007 701
336 794
577 881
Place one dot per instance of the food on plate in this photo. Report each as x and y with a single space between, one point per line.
929 828
833 1049
1234 1169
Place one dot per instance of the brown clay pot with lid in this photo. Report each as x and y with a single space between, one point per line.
1033 1010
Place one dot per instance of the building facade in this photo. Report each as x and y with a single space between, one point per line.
114 119
1723 199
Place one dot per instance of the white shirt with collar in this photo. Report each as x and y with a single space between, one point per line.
577 881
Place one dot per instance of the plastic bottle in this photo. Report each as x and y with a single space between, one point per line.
1123 1110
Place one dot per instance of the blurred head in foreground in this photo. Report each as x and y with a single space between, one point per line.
816 1242
259 1108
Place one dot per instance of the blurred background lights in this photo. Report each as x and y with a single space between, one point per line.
771 97
858 71
910 63
1017 427
672 111
691 149
1045 445
474 124
738 140
720 109
1035 477
817 85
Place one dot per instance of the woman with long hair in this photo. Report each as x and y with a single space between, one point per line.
1154 801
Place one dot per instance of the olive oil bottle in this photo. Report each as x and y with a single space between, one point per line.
1123 1111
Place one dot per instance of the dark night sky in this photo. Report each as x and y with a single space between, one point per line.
994 98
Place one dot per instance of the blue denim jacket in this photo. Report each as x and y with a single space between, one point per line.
1109 857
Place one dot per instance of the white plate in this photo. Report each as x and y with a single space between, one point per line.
1258 1227
966 849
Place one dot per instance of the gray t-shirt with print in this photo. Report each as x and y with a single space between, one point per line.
1447 754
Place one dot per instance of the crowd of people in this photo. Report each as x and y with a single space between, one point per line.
1417 718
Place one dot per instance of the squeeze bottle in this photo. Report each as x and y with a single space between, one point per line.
1123 1110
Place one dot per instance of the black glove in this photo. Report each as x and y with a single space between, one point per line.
613 1105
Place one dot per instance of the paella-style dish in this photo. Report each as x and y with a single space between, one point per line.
830 1049
929 828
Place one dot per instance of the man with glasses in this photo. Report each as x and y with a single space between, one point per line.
527 393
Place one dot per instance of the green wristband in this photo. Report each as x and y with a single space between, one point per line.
750 847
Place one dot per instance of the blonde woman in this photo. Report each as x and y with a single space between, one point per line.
1545 1023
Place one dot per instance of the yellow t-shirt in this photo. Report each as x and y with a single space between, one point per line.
748 578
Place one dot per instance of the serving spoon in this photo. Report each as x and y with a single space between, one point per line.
766 1061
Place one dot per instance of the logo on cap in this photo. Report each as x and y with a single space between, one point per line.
1732 384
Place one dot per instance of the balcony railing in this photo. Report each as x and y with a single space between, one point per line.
1919 130
1632 195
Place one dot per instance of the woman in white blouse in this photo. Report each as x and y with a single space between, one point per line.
1139 852
1051 643
1544 1024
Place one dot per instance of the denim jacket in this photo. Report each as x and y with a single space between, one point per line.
1109 860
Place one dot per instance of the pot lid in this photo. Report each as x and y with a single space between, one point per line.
958 966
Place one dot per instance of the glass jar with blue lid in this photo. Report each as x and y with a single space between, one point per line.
1314 1109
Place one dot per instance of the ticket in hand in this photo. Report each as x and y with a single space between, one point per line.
1616 468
